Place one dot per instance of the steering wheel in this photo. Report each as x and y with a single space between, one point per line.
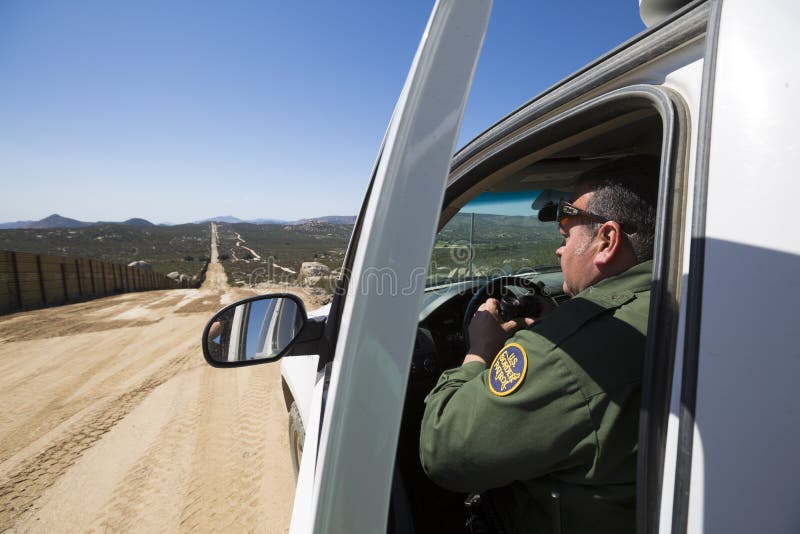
499 288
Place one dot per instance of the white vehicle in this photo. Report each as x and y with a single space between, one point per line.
711 88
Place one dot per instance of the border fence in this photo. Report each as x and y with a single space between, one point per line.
29 281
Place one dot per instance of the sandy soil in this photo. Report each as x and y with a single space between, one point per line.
112 420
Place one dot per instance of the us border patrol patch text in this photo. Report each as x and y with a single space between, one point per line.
508 370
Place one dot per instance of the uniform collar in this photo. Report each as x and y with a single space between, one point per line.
619 289
608 294
637 278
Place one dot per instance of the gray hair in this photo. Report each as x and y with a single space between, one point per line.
626 190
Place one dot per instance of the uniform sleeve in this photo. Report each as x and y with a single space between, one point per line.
472 439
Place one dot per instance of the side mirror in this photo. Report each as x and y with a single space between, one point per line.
257 330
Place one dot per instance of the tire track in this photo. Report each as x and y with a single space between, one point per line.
149 494
209 489
56 394
47 400
250 436
52 322
244 493
26 484
247 465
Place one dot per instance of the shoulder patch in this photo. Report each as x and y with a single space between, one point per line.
508 370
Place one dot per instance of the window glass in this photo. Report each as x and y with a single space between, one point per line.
496 233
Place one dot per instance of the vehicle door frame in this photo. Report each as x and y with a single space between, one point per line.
728 391
505 150
352 482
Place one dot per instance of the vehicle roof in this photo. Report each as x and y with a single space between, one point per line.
476 144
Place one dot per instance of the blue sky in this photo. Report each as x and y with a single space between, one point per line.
182 110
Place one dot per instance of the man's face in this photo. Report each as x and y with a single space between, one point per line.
576 252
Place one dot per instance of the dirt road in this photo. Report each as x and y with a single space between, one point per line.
112 421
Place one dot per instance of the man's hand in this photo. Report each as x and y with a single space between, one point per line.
487 332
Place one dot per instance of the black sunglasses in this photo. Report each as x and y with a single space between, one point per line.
564 210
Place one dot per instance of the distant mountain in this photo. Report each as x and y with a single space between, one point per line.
14 225
138 222
57 221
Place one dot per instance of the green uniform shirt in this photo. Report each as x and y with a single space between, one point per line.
569 428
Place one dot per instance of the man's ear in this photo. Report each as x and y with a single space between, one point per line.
610 243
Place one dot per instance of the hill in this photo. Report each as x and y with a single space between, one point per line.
57 221
15 224
138 222
183 248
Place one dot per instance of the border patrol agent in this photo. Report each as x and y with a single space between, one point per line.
544 424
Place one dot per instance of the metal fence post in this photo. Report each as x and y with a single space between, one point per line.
64 281
78 276
17 285
105 284
91 277
41 279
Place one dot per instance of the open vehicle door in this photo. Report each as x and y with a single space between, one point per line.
375 319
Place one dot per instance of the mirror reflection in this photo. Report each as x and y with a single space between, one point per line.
254 330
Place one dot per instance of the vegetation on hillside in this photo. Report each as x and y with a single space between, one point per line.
183 248
279 249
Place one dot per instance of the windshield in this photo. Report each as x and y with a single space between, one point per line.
494 234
